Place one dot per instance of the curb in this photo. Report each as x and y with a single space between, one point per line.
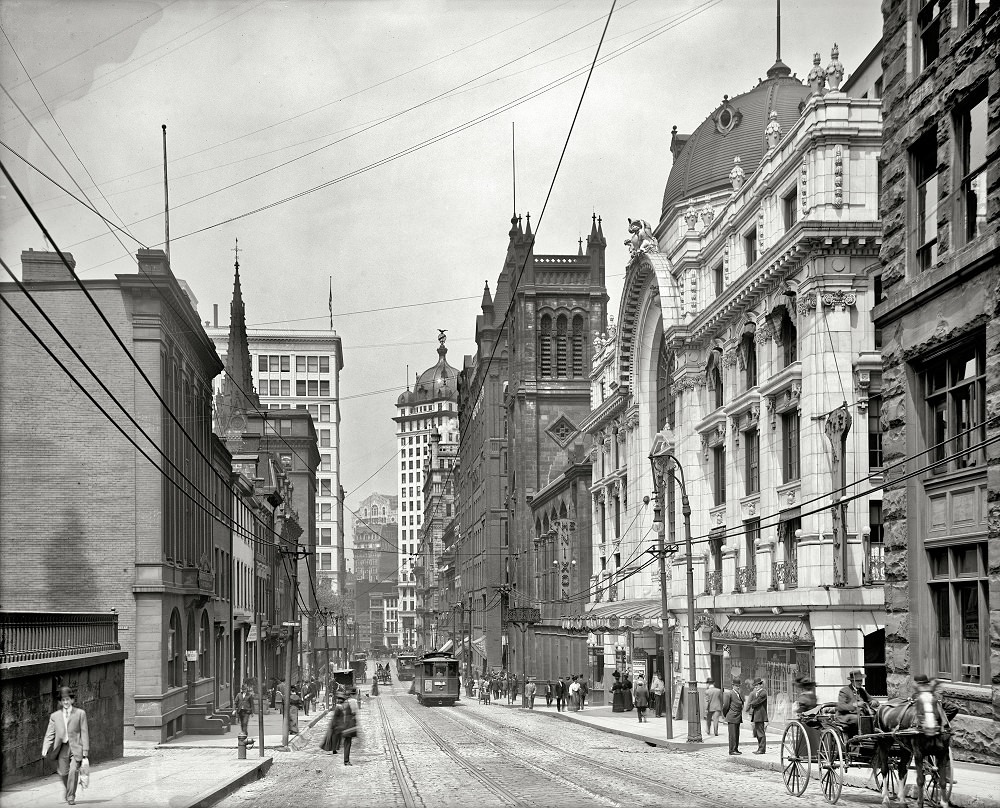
850 779
217 792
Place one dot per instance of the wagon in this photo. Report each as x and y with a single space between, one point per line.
817 737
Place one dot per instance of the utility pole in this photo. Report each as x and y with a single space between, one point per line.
257 593
295 554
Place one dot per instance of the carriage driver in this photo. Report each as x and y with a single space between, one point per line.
853 701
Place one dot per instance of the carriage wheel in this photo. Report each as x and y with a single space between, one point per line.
831 765
796 756
937 779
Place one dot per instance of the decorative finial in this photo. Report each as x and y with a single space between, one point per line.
773 131
737 175
707 216
236 250
817 76
691 217
834 70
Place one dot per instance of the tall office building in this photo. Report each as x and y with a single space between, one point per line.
300 370
431 405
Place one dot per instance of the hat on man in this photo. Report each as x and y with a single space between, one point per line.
710 681
856 674
736 680
66 693
758 681
921 679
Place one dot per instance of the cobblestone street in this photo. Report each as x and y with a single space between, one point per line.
480 755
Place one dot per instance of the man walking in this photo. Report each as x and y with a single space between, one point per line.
69 738
657 689
732 711
640 696
757 705
243 706
560 694
548 694
713 707
529 694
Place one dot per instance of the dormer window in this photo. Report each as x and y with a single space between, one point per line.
728 117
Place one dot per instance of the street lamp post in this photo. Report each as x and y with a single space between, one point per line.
661 555
662 458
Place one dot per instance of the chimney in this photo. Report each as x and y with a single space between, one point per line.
215 314
45 266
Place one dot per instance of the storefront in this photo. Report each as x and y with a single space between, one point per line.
773 648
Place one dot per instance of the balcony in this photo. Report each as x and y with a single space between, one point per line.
874 570
28 636
713 582
746 579
784 575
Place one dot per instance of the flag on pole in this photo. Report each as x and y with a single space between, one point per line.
331 302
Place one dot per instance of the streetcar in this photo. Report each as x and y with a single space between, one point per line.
437 679
405 663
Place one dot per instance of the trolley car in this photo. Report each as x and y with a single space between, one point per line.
437 679
405 666
817 737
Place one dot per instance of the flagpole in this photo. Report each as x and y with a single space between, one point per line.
331 302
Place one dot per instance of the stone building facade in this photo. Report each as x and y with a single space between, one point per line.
939 317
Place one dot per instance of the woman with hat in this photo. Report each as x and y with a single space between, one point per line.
69 738
617 694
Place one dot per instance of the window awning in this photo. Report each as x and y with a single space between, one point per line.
479 646
788 630
618 615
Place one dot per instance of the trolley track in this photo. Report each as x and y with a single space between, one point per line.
410 798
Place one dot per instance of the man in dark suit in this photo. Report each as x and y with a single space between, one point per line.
853 701
757 705
732 712
69 739
560 693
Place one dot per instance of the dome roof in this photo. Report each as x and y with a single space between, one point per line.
435 383
734 129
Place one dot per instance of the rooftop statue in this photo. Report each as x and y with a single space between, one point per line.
640 240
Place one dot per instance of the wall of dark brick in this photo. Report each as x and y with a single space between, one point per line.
28 697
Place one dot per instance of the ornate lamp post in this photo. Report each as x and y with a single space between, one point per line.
661 553
664 462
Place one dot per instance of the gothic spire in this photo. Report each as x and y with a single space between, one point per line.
237 393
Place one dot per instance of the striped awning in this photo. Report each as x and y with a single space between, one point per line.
617 615
789 630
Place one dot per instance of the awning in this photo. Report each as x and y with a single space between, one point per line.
618 615
788 630
479 646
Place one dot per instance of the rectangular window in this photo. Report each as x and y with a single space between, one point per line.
300 388
751 533
325 512
313 388
275 387
313 411
324 438
324 364
960 597
285 387
719 279
971 131
324 561
751 442
300 364
955 396
324 413
273 363
325 488
750 247
325 535
925 179
262 387
285 360
719 474
929 31
324 389
790 208
312 363
790 446
324 463
262 363
874 433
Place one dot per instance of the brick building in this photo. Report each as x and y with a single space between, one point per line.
89 524
939 318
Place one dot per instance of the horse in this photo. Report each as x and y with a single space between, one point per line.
923 712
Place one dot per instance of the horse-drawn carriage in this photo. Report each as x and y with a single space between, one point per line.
382 673
888 738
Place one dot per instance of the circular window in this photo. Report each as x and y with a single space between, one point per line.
726 119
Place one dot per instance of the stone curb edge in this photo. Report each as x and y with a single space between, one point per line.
216 793
958 799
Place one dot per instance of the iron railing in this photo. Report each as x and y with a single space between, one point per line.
713 582
746 579
26 636
785 574
875 564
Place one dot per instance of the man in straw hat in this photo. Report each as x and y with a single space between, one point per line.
69 739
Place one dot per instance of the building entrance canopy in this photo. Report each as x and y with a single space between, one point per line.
617 616
790 630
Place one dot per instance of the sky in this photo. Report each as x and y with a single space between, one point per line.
380 144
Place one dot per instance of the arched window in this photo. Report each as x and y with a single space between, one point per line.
664 397
545 348
204 644
715 378
562 347
174 665
578 343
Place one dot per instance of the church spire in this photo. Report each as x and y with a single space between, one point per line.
237 393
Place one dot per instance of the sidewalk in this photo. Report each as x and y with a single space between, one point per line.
976 786
171 775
